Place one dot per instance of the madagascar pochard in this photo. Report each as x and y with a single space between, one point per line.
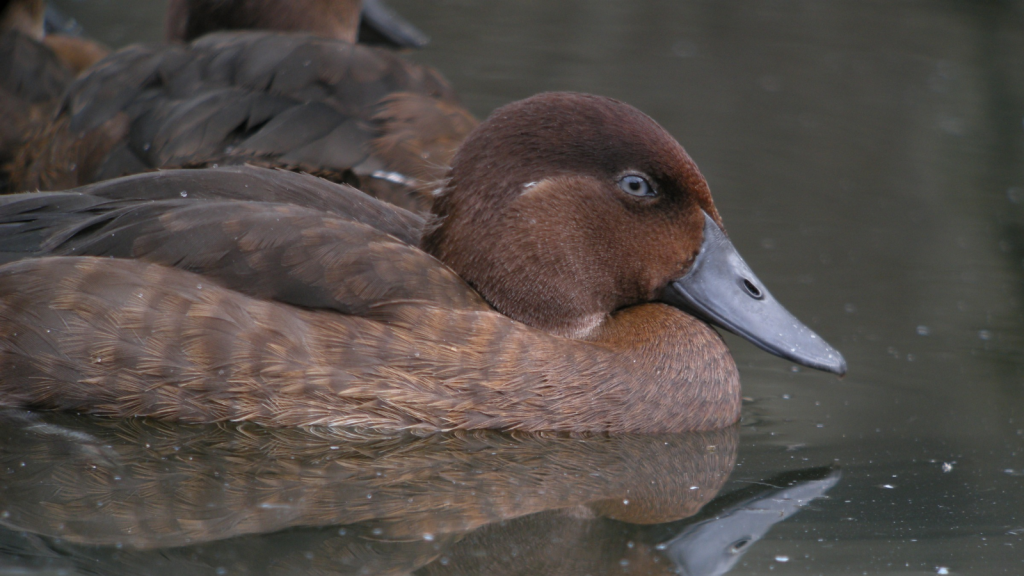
349 113
564 282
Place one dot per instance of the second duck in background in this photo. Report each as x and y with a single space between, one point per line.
350 113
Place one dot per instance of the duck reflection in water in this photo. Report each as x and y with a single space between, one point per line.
142 497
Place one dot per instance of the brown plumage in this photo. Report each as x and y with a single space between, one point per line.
34 72
190 19
346 112
309 303
144 484
369 22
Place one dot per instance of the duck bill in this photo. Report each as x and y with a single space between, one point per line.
380 25
721 289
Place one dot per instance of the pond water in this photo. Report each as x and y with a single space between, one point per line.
868 161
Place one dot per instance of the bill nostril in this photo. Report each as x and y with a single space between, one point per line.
739 545
752 289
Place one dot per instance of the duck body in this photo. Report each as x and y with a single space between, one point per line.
346 112
310 308
253 295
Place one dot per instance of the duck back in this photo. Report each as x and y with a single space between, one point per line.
294 101
269 234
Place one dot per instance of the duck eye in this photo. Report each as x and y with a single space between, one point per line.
636 185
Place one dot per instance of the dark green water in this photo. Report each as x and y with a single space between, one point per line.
868 160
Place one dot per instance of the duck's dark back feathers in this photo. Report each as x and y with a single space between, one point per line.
287 100
313 244
250 183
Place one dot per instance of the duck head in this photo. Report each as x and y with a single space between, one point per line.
563 208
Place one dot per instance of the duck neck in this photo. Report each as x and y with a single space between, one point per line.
677 371
189 19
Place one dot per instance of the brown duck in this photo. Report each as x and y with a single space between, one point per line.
565 282
350 113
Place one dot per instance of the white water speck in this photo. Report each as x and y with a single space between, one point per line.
947 467
782 558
